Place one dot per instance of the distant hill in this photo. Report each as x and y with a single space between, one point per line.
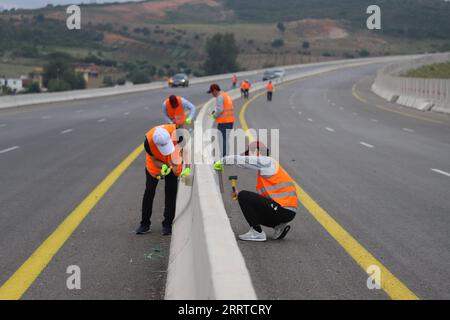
165 36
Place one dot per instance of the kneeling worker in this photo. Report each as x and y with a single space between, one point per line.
163 161
275 204
174 111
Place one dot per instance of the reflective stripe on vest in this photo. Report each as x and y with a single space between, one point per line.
177 114
278 187
175 160
227 115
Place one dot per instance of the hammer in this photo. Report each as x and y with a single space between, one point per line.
233 180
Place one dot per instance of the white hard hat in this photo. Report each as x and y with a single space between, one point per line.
163 141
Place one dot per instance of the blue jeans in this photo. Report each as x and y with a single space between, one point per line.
223 127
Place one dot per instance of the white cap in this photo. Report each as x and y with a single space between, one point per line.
163 141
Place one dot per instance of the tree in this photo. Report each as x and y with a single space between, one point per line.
305 45
281 27
277 43
33 87
139 77
222 52
63 76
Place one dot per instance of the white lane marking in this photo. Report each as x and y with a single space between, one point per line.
329 129
441 172
126 113
146 108
299 113
102 120
365 144
310 120
66 131
354 113
333 104
79 111
2 125
341 108
9 149
374 120
292 107
46 117
408 130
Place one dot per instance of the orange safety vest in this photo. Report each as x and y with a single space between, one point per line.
227 115
279 188
174 160
177 114
245 85
270 87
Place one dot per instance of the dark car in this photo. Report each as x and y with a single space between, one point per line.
179 80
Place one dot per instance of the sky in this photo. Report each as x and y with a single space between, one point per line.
33 4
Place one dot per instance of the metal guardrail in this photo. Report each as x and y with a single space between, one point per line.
418 93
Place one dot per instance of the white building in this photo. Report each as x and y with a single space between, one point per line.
15 85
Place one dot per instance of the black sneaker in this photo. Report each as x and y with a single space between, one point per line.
167 231
143 229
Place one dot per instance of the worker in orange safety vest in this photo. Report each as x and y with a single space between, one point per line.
163 161
174 111
269 89
223 114
275 204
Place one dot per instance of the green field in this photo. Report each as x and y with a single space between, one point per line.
432 71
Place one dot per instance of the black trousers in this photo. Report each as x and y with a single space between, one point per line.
171 189
269 96
223 127
261 211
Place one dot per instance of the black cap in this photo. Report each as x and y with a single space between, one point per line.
214 87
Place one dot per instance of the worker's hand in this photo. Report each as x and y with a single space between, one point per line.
185 173
188 120
218 166
165 170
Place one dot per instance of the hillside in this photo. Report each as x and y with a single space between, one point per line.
163 36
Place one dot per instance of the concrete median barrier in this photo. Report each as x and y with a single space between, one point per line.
417 93
205 261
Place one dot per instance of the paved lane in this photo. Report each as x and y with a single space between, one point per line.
372 171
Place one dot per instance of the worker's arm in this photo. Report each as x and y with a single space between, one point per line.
166 116
219 106
188 105
265 165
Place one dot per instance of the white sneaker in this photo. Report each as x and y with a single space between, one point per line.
281 230
253 235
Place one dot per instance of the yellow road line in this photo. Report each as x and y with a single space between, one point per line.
363 100
15 287
393 287
24 277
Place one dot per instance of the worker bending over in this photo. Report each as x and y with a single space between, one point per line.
163 161
245 89
275 203
223 114
174 111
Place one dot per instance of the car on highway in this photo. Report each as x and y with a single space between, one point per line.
179 80
273 74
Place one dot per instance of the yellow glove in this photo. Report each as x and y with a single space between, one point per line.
188 120
185 173
218 166
165 170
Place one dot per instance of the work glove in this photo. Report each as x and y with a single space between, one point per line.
165 170
185 173
188 120
218 166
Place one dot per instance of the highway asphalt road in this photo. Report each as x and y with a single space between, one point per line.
51 158
380 170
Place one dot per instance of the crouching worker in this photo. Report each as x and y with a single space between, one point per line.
275 203
163 161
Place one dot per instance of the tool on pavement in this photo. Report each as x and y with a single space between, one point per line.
234 193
